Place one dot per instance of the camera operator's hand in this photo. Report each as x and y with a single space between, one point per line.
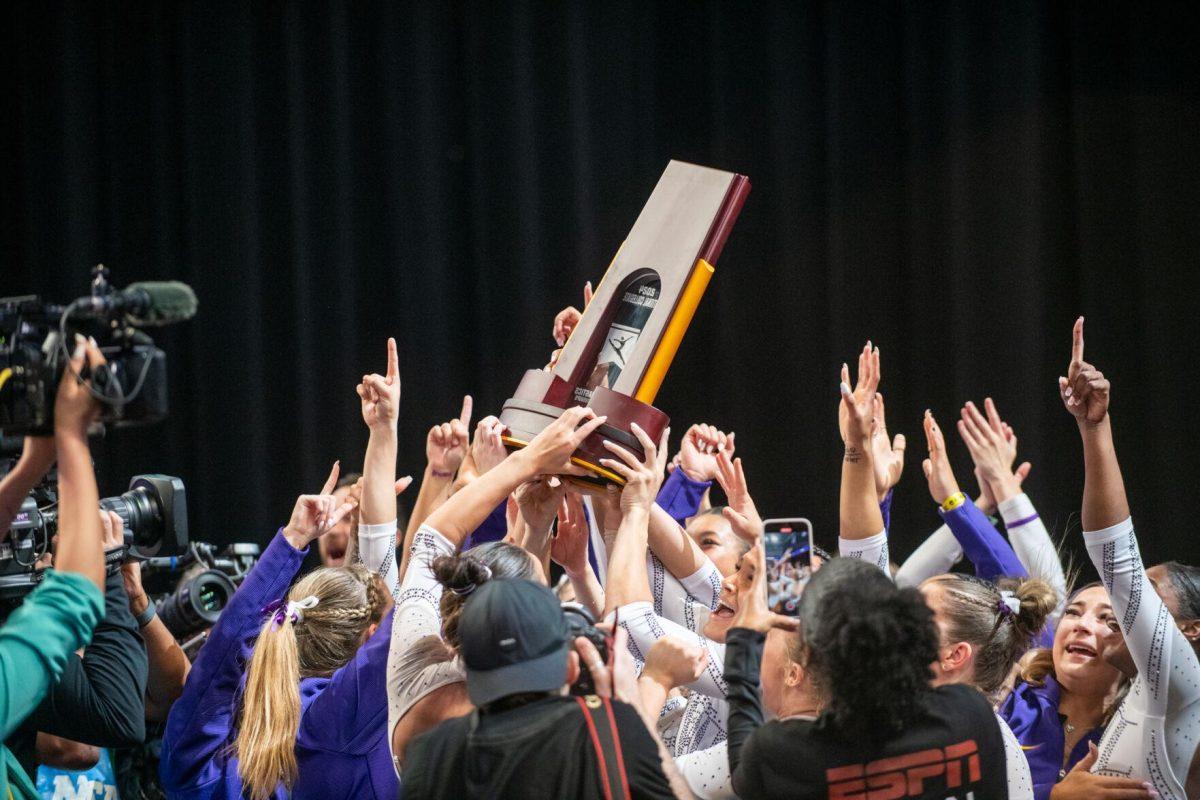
673 662
446 445
74 408
617 678
36 459
131 576
315 514
380 394
642 478
112 538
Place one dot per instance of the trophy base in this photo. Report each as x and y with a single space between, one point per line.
542 397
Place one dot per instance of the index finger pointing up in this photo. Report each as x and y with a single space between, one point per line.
333 478
465 415
1077 342
393 367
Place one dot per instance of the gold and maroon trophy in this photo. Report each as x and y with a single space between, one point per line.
620 350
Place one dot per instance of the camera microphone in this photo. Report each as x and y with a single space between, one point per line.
145 304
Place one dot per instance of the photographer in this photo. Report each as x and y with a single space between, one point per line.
58 617
99 698
519 659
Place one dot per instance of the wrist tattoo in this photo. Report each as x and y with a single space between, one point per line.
853 454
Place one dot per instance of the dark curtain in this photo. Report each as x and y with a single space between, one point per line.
956 182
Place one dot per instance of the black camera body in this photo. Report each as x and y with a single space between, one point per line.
192 590
37 340
580 622
154 511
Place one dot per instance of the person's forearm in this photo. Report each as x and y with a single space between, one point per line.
628 581
674 548
169 668
983 545
463 512
79 548
435 490
588 591
34 463
859 505
681 496
1104 501
379 478
653 694
537 543
743 653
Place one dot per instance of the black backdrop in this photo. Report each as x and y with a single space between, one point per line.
956 182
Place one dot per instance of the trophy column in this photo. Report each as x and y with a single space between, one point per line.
622 347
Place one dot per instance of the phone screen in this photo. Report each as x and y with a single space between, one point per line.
788 548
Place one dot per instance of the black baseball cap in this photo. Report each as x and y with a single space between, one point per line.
513 638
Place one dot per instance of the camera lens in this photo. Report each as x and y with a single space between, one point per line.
154 511
196 603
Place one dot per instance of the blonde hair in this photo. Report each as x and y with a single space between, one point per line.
321 641
975 613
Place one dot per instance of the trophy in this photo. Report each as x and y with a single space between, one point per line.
620 350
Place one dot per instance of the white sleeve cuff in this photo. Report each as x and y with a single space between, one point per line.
1105 535
1017 508
377 531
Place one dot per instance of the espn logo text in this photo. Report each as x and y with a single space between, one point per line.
904 776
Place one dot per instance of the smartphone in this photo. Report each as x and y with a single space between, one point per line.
787 542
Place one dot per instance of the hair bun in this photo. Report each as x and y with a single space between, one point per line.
1038 601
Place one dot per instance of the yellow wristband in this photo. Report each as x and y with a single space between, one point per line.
954 501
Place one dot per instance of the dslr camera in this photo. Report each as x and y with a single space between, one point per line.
580 622
36 340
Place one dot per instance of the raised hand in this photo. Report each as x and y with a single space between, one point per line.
550 451
673 662
753 611
569 549
740 510
937 467
380 394
864 389
1084 390
75 409
538 501
315 514
566 320
993 448
487 450
887 454
642 478
446 444
698 451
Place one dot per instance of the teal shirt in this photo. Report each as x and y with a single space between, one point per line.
55 620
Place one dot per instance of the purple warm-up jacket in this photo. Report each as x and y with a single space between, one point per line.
342 746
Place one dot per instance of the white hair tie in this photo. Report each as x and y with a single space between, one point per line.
296 608
1009 603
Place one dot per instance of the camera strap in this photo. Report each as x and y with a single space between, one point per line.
602 729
